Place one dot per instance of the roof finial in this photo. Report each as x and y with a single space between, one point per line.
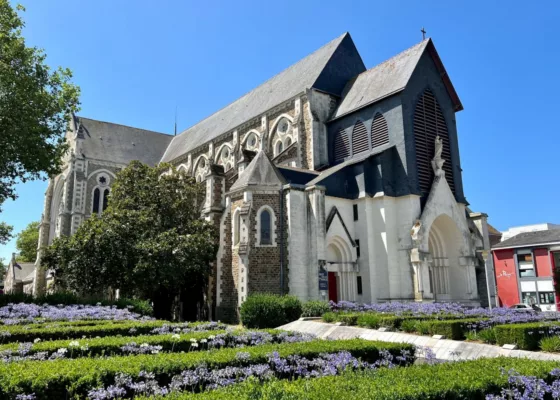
423 33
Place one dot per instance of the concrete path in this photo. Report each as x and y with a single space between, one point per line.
444 349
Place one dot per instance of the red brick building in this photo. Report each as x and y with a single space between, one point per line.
524 266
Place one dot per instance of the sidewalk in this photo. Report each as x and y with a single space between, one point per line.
444 349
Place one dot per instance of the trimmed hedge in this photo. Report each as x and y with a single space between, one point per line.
111 345
525 336
28 333
458 380
74 377
315 308
265 310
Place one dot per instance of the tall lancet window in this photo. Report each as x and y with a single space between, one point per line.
265 227
96 198
359 138
105 199
236 227
429 122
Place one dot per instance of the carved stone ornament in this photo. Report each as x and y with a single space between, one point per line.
437 162
415 232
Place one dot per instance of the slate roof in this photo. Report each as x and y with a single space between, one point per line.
121 144
524 239
24 270
388 78
259 173
327 69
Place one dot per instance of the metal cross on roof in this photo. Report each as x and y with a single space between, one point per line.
423 33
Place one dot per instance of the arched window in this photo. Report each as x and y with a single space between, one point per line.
236 227
288 142
265 226
96 198
341 145
279 147
105 199
429 122
379 131
359 138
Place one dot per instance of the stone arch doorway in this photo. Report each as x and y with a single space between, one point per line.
447 278
341 273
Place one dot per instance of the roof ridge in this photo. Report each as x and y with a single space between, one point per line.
425 41
268 80
126 126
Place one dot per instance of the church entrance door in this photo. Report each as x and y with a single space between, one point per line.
333 287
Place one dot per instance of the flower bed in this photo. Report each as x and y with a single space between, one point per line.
76 377
112 346
480 379
29 333
29 313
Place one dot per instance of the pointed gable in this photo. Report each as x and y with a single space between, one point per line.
260 173
327 69
391 77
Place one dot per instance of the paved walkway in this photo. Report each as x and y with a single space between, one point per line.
444 349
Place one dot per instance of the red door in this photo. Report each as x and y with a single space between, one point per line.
332 287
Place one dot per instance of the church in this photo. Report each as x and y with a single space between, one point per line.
328 181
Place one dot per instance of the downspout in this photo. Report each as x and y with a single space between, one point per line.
282 240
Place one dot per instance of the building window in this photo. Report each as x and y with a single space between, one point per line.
547 298
429 123
355 209
526 265
265 228
357 247
359 282
379 131
279 147
341 145
529 298
266 222
105 199
96 196
359 138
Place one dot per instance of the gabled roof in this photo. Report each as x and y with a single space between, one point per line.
21 270
327 69
526 239
259 173
390 77
119 143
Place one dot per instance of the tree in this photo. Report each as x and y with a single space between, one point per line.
26 242
35 103
150 242
5 232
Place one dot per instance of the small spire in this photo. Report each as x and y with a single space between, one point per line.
423 33
175 132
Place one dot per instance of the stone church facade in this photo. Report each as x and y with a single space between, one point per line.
327 181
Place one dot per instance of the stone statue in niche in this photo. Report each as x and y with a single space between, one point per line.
437 161
415 232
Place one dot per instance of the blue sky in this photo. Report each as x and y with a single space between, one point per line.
137 60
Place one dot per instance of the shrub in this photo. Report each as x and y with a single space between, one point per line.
330 317
368 320
550 344
263 310
348 319
314 308
292 308
73 378
487 335
525 336
459 380
408 325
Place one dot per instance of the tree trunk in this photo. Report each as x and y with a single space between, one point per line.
163 303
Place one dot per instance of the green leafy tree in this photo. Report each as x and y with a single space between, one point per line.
35 103
5 232
150 242
26 242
